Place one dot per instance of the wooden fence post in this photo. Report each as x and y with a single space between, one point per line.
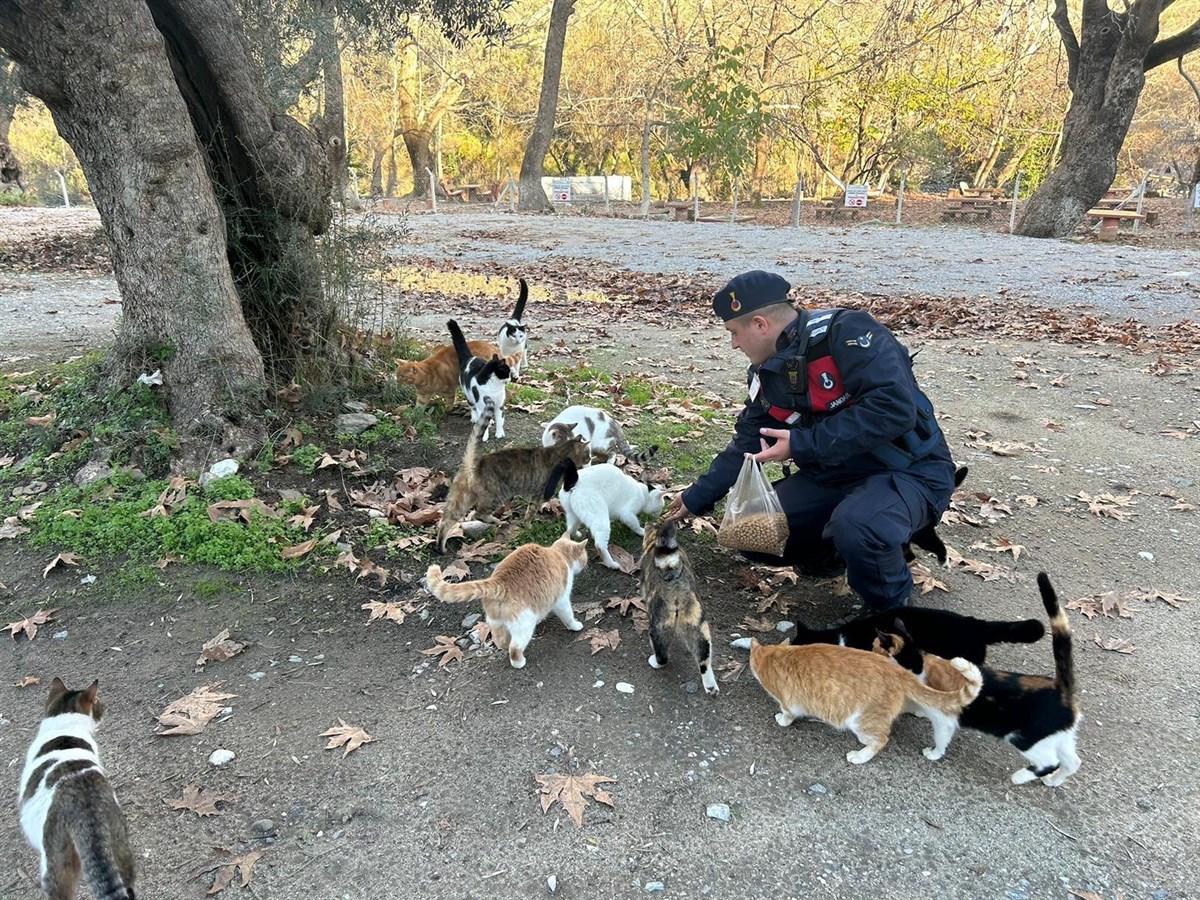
796 200
1012 213
900 196
432 191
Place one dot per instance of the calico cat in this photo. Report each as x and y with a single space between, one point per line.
927 538
68 810
525 587
602 432
944 633
481 380
853 690
485 481
438 375
1037 714
596 496
514 334
669 591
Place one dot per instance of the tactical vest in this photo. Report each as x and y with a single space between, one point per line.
812 371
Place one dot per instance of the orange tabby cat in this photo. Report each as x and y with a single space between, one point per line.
853 690
437 376
525 587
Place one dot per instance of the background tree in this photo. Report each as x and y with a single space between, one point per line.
531 196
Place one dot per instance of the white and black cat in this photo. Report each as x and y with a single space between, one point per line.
68 810
596 496
481 380
514 334
1037 714
601 432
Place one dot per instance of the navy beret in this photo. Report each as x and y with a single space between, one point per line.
748 292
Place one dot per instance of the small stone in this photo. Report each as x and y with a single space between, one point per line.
60 635
655 887
691 687
223 468
257 676
598 684
552 883
740 644
818 788
1146 555
88 579
784 625
263 827
1145 804
556 752
221 757
469 621
354 423
1159 895
624 687
30 490
295 659
354 406
718 811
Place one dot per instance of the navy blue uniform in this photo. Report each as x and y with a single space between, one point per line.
874 467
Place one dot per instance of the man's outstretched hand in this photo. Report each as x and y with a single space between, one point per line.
781 451
677 511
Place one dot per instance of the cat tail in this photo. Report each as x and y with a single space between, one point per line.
627 449
1027 631
463 592
97 856
519 310
564 470
1060 641
475 441
960 475
806 635
964 696
460 345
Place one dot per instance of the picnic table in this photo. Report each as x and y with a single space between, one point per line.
466 193
1110 219
956 205
682 209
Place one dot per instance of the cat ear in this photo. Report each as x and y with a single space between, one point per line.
92 690
57 688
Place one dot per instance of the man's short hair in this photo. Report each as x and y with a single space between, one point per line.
779 313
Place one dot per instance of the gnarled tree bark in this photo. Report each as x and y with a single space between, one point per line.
531 196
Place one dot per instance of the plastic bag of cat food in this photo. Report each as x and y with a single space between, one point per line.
754 519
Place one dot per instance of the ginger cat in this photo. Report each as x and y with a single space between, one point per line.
524 588
438 375
853 690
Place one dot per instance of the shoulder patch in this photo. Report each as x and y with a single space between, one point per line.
863 340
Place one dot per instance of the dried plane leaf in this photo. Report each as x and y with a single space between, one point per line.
924 578
298 551
349 736
219 649
393 612
236 864
1117 645
190 714
571 790
446 649
30 624
199 801
625 603
624 559
27 681
12 529
1000 545
731 670
66 559
600 640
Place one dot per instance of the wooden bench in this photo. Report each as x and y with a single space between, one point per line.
834 212
1110 219
682 210
956 206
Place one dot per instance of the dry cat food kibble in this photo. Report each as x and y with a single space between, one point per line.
761 533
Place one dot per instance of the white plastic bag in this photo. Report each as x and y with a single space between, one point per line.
754 519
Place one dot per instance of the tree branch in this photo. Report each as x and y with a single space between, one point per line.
1070 42
1188 79
1174 47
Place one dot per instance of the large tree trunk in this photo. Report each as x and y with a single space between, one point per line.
1106 72
417 120
332 123
209 201
420 153
10 166
531 196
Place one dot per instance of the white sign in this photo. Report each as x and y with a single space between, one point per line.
856 195
1196 196
560 190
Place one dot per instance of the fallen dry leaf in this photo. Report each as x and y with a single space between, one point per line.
601 640
298 551
446 649
11 529
924 578
394 612
304 518
219 649
240 510
1117 645
190 714
482 633
30 625
27 681
235 864
1110 506
349 736
1172 600
624 559
1000 545
570 791
731 670
456 571
761 625
1028 500
625 603
986 571
198 801
66 559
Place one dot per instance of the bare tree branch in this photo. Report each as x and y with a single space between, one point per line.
1174 47
1070 42
1188 79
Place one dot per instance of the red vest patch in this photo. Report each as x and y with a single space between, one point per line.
825 390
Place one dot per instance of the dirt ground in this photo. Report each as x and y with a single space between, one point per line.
443 802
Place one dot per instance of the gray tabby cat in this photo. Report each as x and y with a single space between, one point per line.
68 810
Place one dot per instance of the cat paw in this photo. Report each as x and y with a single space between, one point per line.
517 663
654 663
783 720
933 753
575 626
1022 776
711 689
858 757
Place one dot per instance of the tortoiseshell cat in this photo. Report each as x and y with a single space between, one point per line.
673 605
438 375
68 810
526 586
485 481
1037 714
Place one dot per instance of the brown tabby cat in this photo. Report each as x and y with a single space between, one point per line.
853 690
669 591
437 376
68 810
485 481
525 587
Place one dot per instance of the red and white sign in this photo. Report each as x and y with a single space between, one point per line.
856 195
